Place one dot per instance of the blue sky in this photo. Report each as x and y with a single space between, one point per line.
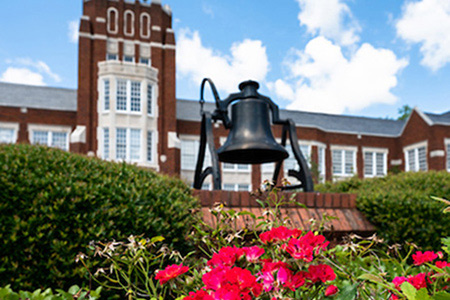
358 57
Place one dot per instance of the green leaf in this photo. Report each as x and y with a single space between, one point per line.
371 277
441 296
347 293
409 291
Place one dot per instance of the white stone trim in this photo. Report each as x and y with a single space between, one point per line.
173 140
156 28
375 149
13 126
437 153
447 150
146 36
78 135
416 145
170 30
100 20
85 18
125 22
137 42
116 21
396 162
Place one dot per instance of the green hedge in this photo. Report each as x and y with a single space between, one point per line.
53 203
74 293
400 205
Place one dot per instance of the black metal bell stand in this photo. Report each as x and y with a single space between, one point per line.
250 140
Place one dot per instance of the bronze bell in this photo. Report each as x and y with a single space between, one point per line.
250 140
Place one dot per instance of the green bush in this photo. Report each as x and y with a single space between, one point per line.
400 205
53 203
74 292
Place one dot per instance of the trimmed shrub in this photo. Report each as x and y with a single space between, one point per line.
53 203
400 205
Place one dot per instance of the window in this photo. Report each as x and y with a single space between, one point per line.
128 95
128 58
343 162
149 146
236 187
150 99
291 163
235 167
7 135
112 20
110 56
145 25
105 143
189 155
321 163
106 95
145 61
416 158
51 139
128 144
375 163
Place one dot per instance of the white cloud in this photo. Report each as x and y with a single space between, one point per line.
329 18
73 31
23 76
321 79
208 10
248 60
39 66
427 22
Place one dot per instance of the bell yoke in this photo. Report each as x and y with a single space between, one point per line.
250 140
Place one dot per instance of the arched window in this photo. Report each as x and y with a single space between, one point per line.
145 25
128 23
113 20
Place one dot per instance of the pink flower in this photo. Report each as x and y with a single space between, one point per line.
253 253
227 256
279 234
331 290
421 258
170 272
323 273
398 281
215 278
418 281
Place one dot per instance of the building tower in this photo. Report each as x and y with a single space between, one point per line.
126 84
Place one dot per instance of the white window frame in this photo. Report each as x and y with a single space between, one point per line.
128 144
322 170
131 57
50 129
11 126
149 28
125 21
128 96
415 147
152 99
374 152
236 187
116 20
343 161
447 151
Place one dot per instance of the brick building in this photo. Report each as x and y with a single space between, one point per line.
125 109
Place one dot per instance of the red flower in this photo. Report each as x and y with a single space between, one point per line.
199 295
306 246
331 290
227 256
170 272
321 272
421 258
418 281
442 264
279 234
